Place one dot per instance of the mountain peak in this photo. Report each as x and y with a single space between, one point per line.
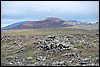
52 18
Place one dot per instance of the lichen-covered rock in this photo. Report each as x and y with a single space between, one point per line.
50 50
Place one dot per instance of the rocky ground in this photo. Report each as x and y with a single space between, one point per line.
81 49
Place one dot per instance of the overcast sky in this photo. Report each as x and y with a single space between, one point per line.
16 11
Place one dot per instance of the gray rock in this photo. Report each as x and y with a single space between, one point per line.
40 63
41 58
60 63
29 58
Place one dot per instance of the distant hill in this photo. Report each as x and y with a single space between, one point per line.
73 21
45 23
53 23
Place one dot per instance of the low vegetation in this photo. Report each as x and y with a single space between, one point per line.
50 47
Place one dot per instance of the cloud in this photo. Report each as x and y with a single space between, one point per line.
21 10
18 8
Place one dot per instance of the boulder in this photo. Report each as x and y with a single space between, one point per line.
40 58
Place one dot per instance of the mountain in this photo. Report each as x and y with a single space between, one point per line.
45 23
73 21
14 24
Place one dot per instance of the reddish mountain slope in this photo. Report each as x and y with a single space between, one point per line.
46 23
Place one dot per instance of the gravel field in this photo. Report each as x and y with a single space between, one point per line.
50 47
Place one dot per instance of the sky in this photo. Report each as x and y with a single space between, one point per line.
17 11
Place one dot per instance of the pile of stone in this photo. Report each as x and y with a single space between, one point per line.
52 42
